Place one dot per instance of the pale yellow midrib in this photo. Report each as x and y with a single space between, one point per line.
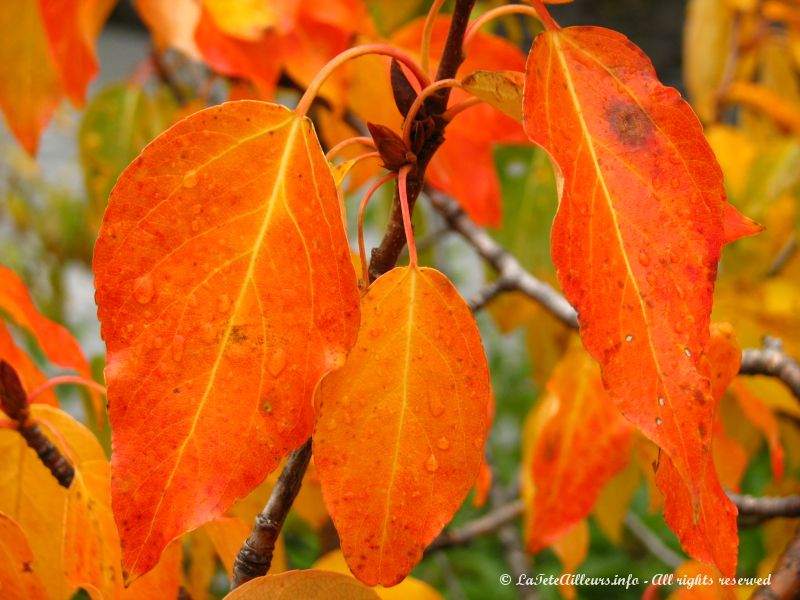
290 141
401 417
607 195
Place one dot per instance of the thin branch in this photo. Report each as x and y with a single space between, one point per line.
488 523
518 560
513 275
785 580
755 510
773 361
487 293
652 542
427 136
255 556
783 257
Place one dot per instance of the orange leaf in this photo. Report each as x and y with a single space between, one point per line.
706 531
72 28
401 427
55 341
764 419
639 230
297 585
225 292
17 579
582 443
171 24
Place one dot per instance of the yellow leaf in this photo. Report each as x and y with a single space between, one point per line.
571 550
614 501
705 48
17 580
501 89
303 585
408 589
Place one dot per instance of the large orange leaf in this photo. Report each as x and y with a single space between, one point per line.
639 230
401 427
225 292
582 443
17 579
54 340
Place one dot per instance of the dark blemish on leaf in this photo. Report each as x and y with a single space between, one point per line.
699 397
629 123
176 390
701 429
26 567
237 336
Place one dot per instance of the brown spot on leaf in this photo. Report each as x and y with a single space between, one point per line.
629 123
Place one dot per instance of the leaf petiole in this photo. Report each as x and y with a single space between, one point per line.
62 379
340 59
427 34
402 187
494 13
544 15
362 209
361 139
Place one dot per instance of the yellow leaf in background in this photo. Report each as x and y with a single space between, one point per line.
735 151
17 580
571 550
645 455
775 537
172 24
408 589
764 419
202 560
31 496
614 501
790 435
501 89
785 113
743 5
244 19
706 43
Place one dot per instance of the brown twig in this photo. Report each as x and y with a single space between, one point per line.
15 404
426 139
755 510
773 361
785 578
488 523
512 275
255 556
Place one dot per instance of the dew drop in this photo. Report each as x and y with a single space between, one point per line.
348 418
129 327
190 179
178 345
675 183
661 401
197 208
629 338
659 421
223 303
431 464
375 332
687 352
678 327
435 405
277 362
651 279
644 258
208 332
195 225
331 425
443 443
143 289
158 342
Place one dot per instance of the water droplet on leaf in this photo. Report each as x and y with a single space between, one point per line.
644 258
178 344
190 179
431 464
143 289
277 362
442 443
435 405
223 303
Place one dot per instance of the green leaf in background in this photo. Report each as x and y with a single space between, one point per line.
119 121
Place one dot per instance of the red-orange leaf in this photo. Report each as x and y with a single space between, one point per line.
401 427
706 531
28 372
583 442
225 292
54 340
639 230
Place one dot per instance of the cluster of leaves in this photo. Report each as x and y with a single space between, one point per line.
237 328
